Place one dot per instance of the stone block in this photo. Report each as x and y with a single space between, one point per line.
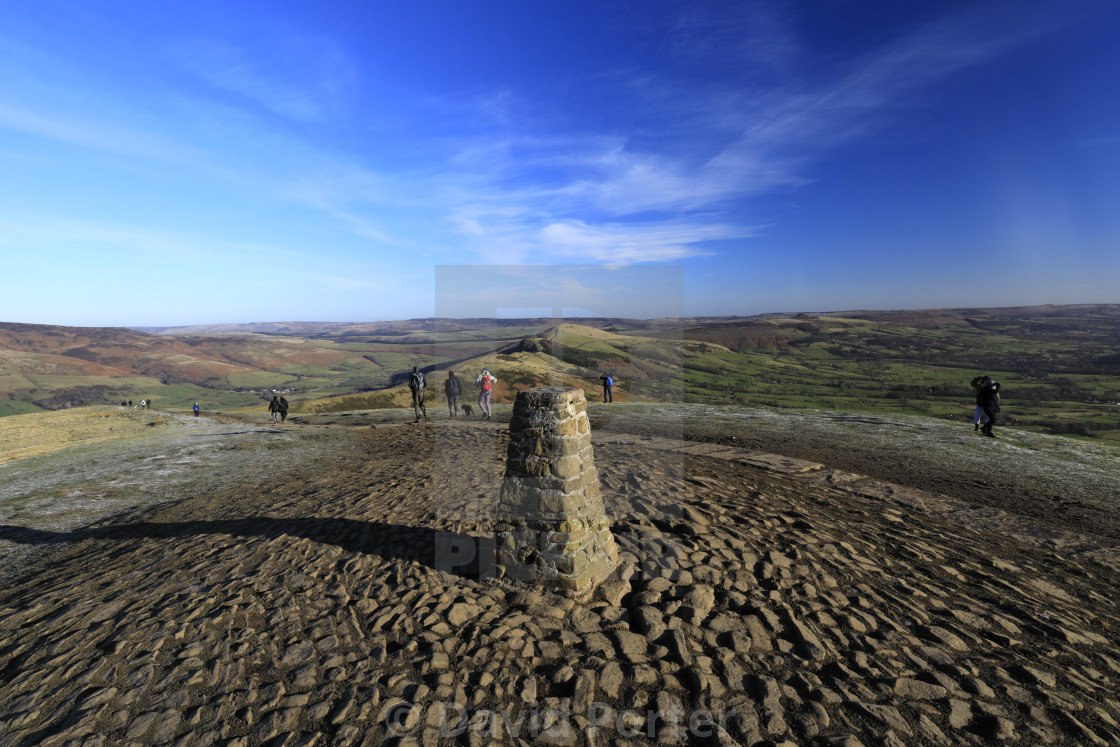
554 446
552 528
566 467
555 502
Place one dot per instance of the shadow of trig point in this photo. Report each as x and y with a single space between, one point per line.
552 530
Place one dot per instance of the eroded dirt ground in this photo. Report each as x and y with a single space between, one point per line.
761 600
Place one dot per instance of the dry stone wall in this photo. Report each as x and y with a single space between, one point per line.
553 530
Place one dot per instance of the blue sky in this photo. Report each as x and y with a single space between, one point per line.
195 162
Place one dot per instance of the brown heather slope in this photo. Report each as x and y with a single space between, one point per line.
322 602
100 351
46 367
395 328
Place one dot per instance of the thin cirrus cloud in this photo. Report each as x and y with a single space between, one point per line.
628 243
867 92
501 231
92 130
558 290
584 210
35 234
522 192
602 203
324 78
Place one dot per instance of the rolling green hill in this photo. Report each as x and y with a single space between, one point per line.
1059 365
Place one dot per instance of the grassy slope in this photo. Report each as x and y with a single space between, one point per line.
45 432
1055 371
579 355
1058 365
514 371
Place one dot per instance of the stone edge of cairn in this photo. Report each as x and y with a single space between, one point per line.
553 530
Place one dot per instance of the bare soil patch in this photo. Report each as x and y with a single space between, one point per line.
1056 482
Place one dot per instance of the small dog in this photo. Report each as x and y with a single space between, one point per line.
468 410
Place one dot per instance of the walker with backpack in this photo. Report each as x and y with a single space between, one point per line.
485 383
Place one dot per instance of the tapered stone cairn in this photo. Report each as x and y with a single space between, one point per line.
552 529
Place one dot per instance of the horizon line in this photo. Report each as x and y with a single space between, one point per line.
837 312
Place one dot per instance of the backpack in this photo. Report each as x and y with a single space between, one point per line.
416 382
610 381
487 383
453 387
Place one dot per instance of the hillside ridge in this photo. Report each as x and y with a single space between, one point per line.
1058 365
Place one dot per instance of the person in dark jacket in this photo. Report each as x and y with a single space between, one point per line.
283 409
274 409
989 401
453 388
978 416
416 386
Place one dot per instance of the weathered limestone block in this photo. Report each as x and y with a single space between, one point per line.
553 530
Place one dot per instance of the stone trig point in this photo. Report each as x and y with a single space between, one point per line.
552 529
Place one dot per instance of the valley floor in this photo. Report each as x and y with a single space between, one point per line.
314 585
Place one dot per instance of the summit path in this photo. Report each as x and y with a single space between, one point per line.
762 599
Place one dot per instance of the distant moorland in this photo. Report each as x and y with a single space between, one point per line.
1059 365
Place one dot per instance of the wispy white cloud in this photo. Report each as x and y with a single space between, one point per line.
523 234
224 146
628 243
604 198
55 234
595 199
534 285
95 131
216 140
613 193
558 290
290 73
866 94
752 38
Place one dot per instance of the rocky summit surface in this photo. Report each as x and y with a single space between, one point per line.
761 599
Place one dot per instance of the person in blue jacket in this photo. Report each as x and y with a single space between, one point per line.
608 383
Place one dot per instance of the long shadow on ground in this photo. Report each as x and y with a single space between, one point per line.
451 552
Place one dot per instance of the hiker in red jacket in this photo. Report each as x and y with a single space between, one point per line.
486 383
